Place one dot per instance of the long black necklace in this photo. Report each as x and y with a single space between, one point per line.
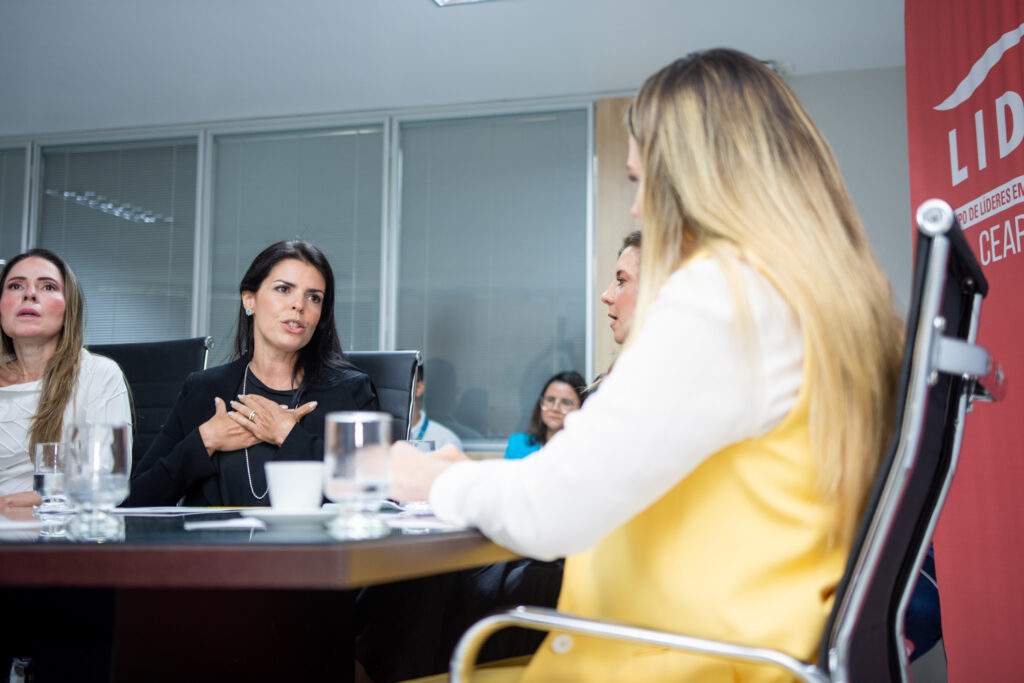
248 470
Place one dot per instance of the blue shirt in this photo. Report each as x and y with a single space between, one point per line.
520 445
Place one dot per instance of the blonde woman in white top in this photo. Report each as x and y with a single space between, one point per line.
714 483
47 380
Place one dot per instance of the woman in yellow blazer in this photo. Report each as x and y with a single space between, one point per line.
714 483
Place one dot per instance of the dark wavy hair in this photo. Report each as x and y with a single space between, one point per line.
322 355
631 240
538 431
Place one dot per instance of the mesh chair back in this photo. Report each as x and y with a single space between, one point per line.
155 372
862 633
394 375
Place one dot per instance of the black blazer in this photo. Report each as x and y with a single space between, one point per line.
177 466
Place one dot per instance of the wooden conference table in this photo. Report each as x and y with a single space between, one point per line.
222 604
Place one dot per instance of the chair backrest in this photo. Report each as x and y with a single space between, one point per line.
155 372
863 637
394 375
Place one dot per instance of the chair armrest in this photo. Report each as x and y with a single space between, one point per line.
542 619
991 387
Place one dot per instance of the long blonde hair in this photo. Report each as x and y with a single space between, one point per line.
61 371
735 168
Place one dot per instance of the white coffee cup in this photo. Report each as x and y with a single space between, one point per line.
296 485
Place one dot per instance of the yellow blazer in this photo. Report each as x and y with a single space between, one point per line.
737 551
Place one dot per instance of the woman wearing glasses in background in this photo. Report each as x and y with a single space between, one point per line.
562 394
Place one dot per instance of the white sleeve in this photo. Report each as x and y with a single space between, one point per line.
686 388
103 393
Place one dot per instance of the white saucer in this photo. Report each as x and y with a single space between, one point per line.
285 518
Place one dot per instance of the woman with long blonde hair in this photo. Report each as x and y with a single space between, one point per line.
714 483
47 380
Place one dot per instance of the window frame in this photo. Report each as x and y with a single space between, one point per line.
27 148
475 112
390 121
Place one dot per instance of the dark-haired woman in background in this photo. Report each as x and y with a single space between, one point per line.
269 403
562 394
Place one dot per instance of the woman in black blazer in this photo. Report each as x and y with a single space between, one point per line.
268 404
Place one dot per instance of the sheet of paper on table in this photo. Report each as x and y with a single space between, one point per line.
244 523
418 521
7 524
171 510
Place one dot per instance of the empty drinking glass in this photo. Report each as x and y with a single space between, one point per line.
357 464
96 470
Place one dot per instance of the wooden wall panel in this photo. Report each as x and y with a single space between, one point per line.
613 195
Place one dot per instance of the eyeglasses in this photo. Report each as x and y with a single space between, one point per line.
562 405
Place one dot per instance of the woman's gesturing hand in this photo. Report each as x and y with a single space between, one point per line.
266 420
221 433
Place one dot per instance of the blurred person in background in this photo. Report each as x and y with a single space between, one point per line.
561 395
423 428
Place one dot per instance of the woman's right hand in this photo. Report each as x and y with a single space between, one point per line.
413 472
221 433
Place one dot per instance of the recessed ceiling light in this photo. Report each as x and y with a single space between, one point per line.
445 3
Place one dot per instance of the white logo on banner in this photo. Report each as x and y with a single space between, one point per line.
976 76
996 200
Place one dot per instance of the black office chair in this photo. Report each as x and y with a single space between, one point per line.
394 375
155 372
943 371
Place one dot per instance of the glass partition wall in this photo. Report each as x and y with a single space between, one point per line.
123 216
322 186
12 200
463 236
492 265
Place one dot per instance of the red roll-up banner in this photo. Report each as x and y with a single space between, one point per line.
965 116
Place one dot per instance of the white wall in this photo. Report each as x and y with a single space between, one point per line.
91 64
863 114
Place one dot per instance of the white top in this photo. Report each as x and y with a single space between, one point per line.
686 388
100 395
435 431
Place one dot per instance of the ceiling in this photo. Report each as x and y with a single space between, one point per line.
68 65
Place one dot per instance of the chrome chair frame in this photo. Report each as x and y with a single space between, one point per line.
930 354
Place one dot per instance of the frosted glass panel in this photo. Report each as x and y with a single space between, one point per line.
12 200
492 270
123 216
322 186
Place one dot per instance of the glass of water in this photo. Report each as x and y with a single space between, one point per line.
357 464
96 479
48 479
